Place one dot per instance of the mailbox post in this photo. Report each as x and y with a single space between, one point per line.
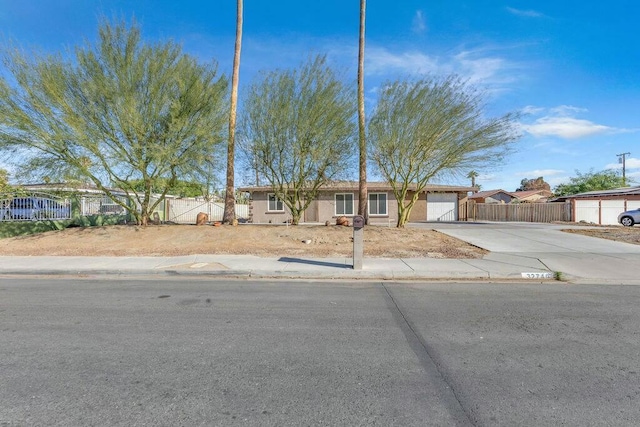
358 241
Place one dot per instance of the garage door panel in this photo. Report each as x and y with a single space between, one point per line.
588 211
442 207
610 211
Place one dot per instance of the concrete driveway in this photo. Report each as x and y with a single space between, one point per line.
532 244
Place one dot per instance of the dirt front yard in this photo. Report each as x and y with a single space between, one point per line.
620 234
244 239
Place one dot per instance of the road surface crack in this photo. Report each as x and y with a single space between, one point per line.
428 362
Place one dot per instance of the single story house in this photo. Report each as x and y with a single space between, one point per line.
435 203
492 196
502 196
532 196
602 206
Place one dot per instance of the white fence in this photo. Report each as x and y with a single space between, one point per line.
185 211
33 207
100 205
39 206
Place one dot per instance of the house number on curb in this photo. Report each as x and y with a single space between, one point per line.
537 275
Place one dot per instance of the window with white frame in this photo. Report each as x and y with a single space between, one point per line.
275 204
344 204
377 203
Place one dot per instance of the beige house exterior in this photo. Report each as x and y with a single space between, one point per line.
435 203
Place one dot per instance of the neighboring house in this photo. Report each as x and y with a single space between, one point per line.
532 196
492 196
502 196
69 188
603 206
435 203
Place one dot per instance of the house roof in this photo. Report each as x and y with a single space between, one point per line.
529 193
489 193
371 186
63 186
624 191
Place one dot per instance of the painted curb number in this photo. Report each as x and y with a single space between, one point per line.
537 275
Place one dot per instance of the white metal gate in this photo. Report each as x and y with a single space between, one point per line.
442 206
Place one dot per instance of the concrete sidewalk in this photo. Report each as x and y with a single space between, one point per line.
282 267
519 251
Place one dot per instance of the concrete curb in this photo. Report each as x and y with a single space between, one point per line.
261 274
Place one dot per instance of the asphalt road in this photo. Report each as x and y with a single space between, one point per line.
114 352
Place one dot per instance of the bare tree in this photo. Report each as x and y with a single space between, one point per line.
230 196
426 129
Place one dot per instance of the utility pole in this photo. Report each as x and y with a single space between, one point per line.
622 158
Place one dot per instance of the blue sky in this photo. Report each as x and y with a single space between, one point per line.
572 67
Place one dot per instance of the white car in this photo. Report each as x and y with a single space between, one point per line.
629 218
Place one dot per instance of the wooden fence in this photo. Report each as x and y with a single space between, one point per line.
520 212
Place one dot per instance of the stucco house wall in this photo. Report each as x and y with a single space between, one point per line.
324 207
259 212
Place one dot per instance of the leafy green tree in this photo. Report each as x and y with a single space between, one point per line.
533 184
120 111
426 129
298 129
590 181
5 187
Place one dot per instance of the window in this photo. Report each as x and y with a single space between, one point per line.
275 204
344 204
378 204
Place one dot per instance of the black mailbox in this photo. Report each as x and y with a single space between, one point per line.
358 221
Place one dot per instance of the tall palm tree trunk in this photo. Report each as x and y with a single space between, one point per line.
362 198
230 196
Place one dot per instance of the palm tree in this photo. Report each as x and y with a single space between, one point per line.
472 176
362 199
230 197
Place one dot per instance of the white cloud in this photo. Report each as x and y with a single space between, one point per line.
629 163
488 177
531 109
567 110
474 66
482 69
419 25
382 61
565 127
561 122
526 13
541 172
